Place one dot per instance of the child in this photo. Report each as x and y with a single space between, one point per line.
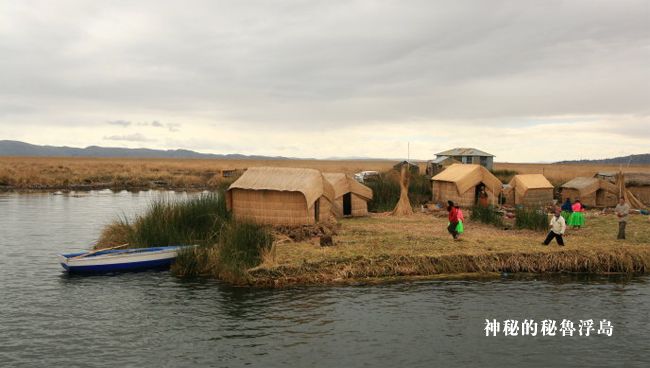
558 226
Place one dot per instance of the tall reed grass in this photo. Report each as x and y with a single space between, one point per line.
420 189
226 248
198 220
386 190
504 175
487 215
241 246
531 218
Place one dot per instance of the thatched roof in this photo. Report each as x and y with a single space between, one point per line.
468 176
631 179
343 183
522 183
309 182
584 185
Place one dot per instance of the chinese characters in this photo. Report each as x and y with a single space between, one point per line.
548 327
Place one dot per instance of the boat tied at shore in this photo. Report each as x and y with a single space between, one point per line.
119 260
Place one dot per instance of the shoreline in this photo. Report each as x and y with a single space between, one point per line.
383 249
635 261
90 188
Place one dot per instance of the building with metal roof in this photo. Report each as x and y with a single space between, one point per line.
470 156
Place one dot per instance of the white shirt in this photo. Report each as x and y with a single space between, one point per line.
558 225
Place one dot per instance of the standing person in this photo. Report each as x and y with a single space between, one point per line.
558 227
460 229
483 198
622 212
577 218
567 209
453 219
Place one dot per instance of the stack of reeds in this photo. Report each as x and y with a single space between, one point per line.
403 207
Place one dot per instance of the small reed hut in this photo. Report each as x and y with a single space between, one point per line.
634 187
462 184
350 197
591 191
530 190
281 196
413 168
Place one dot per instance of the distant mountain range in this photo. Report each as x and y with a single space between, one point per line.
642 159
16 148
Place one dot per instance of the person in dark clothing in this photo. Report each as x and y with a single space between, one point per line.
567 209
453 219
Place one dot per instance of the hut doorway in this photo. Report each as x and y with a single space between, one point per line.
482 201
347 204
317 210
477 192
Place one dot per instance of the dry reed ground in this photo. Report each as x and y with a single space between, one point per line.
559 174
54 173
419 246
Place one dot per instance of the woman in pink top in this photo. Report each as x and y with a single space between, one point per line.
460 228
577 218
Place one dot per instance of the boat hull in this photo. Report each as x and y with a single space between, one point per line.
130 260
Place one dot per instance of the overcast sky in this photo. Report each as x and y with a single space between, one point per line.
528 81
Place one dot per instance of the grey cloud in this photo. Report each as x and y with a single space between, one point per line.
157 124
323 65
136 137
123 123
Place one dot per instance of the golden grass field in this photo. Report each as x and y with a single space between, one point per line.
44 173
381 246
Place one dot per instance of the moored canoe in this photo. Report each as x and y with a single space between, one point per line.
119 260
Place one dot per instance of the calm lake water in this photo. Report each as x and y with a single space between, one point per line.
153 319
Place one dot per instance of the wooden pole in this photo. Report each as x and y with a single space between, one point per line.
99 250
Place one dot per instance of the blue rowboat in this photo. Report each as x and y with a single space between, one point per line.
119 260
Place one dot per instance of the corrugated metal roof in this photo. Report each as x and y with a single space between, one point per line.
439 159
464 152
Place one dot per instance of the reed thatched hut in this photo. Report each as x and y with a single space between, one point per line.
413 168
281 196
350 197
529 190
439 164
590 191
638 184
462 184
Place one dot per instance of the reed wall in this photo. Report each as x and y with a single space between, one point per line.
444 191
535 197
275 207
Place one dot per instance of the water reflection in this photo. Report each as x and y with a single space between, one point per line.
154 319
